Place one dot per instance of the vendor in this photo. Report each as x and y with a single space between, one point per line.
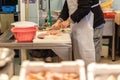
87 22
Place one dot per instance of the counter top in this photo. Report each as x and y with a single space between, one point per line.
60 44
60 40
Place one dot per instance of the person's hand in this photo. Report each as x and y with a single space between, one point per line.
56 25
65 24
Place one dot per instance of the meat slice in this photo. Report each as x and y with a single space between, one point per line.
42 35
53 32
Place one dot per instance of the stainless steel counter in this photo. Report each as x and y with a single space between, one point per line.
61 45
109 30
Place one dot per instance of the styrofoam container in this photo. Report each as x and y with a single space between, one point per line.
64 66
104 71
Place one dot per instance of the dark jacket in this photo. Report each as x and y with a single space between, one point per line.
84 7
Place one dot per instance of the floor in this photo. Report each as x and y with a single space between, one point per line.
109 61
103 60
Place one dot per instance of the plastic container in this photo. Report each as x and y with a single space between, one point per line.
6 56
103 71
109 14
25 34
8 9
62 67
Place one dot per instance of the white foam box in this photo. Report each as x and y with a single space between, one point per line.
104 51
97 71
64 66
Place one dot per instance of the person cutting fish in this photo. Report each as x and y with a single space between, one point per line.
87 22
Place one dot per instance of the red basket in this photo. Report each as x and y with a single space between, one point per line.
26 34
109 14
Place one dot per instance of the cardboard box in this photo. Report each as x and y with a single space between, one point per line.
5 21
104 51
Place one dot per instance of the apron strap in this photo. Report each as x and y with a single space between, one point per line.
95 5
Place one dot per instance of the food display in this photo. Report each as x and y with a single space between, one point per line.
53 36
47 75
47 33
103 72
42 35
53 32
65 70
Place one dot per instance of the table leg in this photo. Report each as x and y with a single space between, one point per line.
117 38
113 45
23 55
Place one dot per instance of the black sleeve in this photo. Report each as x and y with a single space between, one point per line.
82 11
65 12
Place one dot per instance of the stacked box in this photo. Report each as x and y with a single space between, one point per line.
103 71
29 67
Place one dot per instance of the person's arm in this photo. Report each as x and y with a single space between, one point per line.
62 17
82 10
65 12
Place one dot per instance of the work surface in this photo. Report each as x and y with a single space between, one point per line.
60 40
60 44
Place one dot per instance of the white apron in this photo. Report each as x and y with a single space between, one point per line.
82 36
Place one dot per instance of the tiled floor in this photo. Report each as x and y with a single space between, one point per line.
109 60
18 64
103 60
